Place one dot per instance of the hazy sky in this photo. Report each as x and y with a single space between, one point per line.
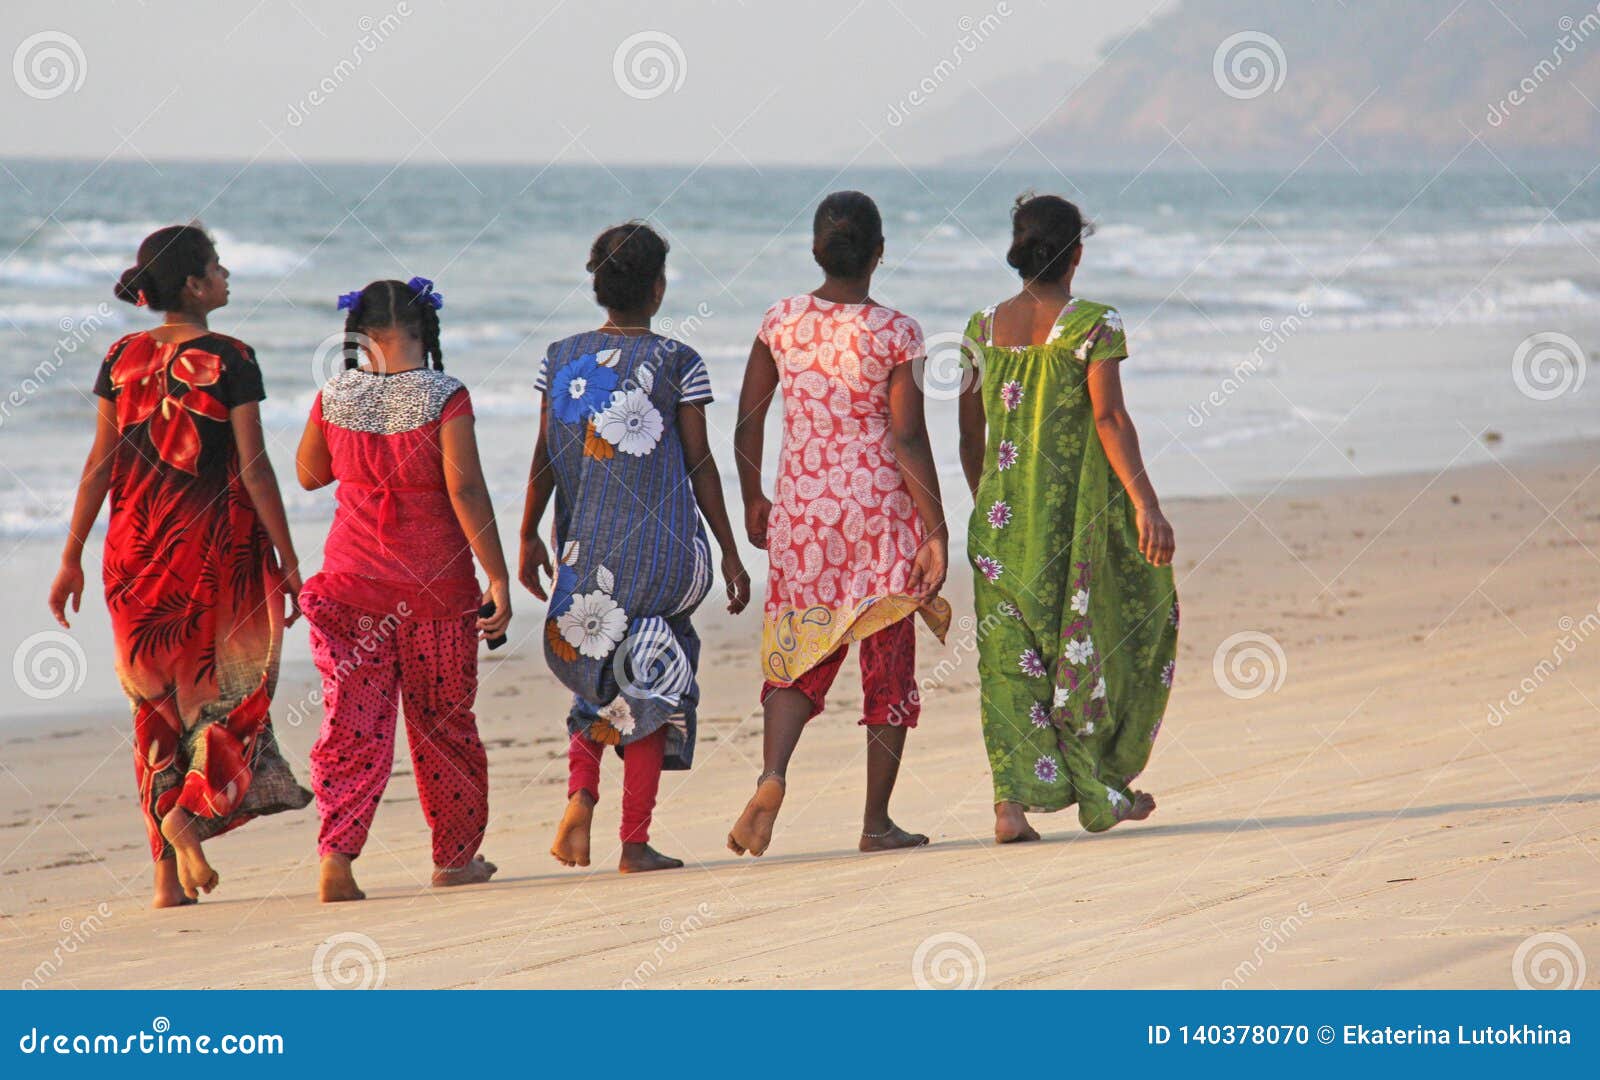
715 80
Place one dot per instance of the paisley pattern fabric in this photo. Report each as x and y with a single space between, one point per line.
1077 632
633 561
191 586
843 531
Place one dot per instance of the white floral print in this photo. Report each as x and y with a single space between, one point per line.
630 423
1078 652
594 624
1080 601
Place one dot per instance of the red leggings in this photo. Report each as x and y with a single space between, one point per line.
888 677
641 778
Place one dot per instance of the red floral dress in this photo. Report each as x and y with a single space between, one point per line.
191 586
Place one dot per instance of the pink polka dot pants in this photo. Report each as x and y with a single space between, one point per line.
370 666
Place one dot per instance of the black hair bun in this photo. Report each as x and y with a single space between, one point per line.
846 233
1045 231
134 280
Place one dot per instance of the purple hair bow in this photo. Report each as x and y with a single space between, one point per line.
423 289
349 300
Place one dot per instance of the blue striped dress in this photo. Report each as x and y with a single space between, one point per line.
633 561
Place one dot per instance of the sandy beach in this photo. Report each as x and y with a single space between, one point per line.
1405 794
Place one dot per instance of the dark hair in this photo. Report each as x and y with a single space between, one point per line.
845 234
627 260
392 305
167 259
1045 231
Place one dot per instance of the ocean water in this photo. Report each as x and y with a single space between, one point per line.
1378 316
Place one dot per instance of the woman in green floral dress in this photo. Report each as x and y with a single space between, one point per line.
1077 613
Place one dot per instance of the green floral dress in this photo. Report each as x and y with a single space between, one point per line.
1077 632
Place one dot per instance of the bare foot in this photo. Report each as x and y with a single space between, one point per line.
168 892
1144 804
475 872
639 858
572 835
337 881
194 873
753 831
1011 824
891 838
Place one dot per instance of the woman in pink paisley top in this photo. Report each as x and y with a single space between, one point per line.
856 537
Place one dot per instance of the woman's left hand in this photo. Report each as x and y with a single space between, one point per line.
738 582
68 585
499 594
928 569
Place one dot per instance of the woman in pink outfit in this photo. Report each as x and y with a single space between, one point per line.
394 614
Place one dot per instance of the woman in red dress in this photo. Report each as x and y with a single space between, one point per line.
197 562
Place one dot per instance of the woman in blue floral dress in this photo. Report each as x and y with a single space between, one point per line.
623 448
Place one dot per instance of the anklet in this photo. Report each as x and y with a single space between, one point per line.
771 775
879 835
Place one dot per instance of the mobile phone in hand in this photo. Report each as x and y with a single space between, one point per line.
485 612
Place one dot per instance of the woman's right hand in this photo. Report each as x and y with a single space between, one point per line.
498 594
533 558
1156 542
757 511
67 585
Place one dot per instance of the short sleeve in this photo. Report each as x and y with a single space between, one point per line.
316 411
458 405
694 382
907 345
103 386
541 382
769 324
240 383
972 339
1106 341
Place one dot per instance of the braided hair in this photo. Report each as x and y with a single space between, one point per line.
392 305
